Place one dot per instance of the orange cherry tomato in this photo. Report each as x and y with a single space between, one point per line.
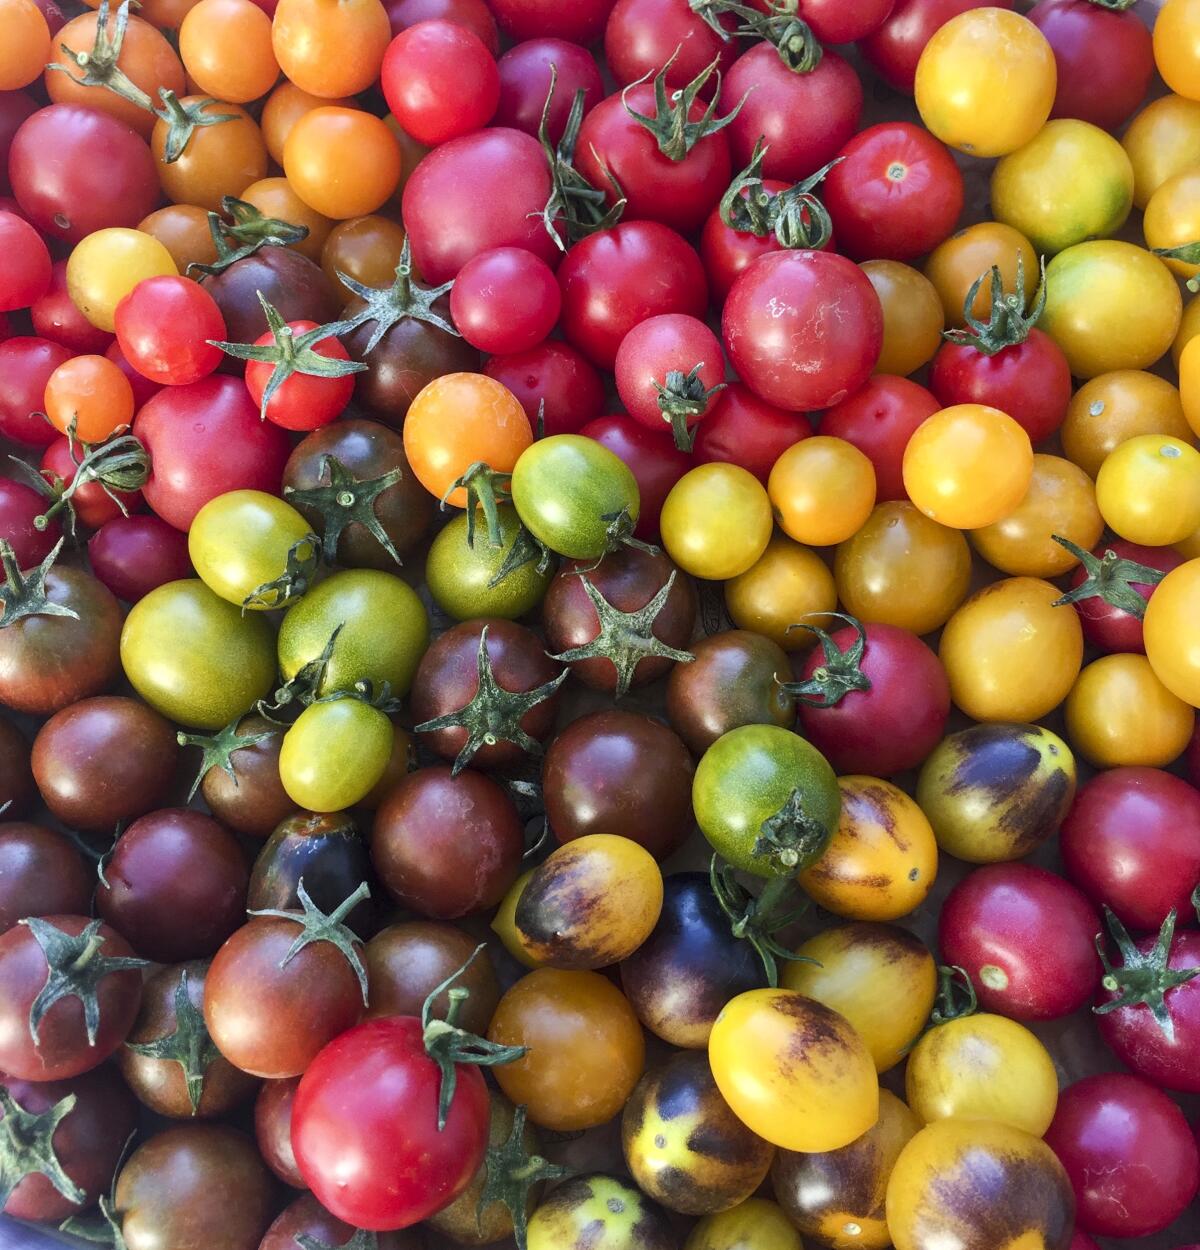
25 48
366 249
341 162
912 316
331 48
183 230
284 107
274 197
822 490
955 265
89 398
226 50
219 160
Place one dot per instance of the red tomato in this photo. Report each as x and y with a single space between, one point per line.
15 107
835 21
580 21
1106 623
164 326
744 430
643 35
525 84
92 503
26 364
20 505
143 388
554 379
56 317
25 276
473 14
136 554
303 401
505 300
656 463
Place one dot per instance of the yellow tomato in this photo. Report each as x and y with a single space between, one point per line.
786 585
954 266
1119 714
1117 406
985 82
1148 490
1172 632
1161 141
912 316
107 264
903 569
716 521
1189 328
755 1224
1177 46
794 1072
1061 500
1009 653
1189 385
968 466
822 490
882 859
881 978
1172 222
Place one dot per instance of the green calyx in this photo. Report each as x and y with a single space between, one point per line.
795 216
316 926
512 1175
493 714
525 549
671 125
681 397
625 639
75 968
300 567
1188 253
782 28
1143 979
841 672
344 501
301 689
24 594
246 231
757 918
289 353
188 1045
956 997
448 1045
1008 324
218 750
1109 577
27 1147
486 490
790 839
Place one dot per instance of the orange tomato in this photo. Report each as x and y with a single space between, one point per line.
284 107
954 266
341 162
274 197
366 249
822 490
89 398
912 316
25 48
331 48
183 230
226 50
219 160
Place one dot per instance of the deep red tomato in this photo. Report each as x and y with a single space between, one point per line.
643 35
19 505
1081 1241
205 439
525 83
581 21
895 194
473 14
26 364
440 81
1131 1157
656 463
803 329
143 388
15 107
136 554
742 429
56 317
25 277
879 710
835 21
555 380
303 401
1104 57
879 419
505 300
365 1127
1131 841
164 326
615 279
92 503
1026 937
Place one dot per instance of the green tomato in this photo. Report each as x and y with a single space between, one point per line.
194 657
599 1213
1069 183
457 572
570 491
240 542
766 799
334 754
384 631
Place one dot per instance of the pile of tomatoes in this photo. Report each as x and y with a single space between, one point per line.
590 655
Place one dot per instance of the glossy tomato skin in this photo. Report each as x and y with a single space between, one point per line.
505 300
19 506
273 1129
26 363
136 554
163 326
294 285
1131 841
653 459
525 84
1111 628
1026 938
643 35
555 380
364 1127
41 873
581 23
1111 1133
654 349
803 329
893 725
739 428
473 14
55 317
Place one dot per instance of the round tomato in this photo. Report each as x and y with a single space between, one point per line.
1118 406
505 300
822 490
107 265
755 1222
334 754
89 398
342 162
1148 490
1177 47
164 326
226 49
330 50
955 265
786 584
1171 225
912 316
1170 632
716 522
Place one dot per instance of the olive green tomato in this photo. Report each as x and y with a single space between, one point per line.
1072 181
599 1213
384 631
196 658
240 542
766 799
334 754
459 573
569 491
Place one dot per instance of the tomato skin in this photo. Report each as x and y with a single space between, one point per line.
27 278
302 402
1176 48
739 428
803 329
1111 1132
364 1127
1026 938
26 363
651 351
755 1222
505 300
473 14
1109 628
653 459
581 23
1148 490
136 554
19 505
163 326
525 84
697 512
555 379
55 317
641 36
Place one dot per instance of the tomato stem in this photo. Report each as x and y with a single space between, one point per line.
486 489
757 919
1109 577
344 501
27 1147
24 594
1008 324
956 997
683 395
303 561
513 1174
842 671
795 216
242 236
671 125
790 839
188 1044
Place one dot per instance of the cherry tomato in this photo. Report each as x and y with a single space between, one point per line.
341 161
330 50
553 380
505 300
739 428
183 230
755 1222
1161 141
134 555
642 36
226 49
89 398
716 522
912 316
283 108
26 364
164 326
1117 406
219 159
27 277
1169 630
786 584
1148 490
822 490
955 264
1176 47
525 84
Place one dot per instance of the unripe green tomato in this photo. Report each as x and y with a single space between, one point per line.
334 753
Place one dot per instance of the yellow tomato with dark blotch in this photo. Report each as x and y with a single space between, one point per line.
913 320
755 1224
955 265
787 584
599 1213
1172 632
1115 407
1162 140
1148 490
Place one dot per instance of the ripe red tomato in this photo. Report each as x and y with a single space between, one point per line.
581 21
835 21
555 380
505 300
134 555
26 364
56 317
744 430
1106 623
653 459
525 83
19 505
164 326
26 273
303 401
15 107
643 35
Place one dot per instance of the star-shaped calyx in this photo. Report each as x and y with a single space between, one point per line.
1008 324
1144 978
671 123
343 501
1109 577
24 594
757 918
494 714
188 1044
512 1176
300 567
244 233
682 396
218 749
790 839
841 672
27 1147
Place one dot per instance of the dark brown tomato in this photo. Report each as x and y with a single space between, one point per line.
447 846
273 1129
103 761
87 1143
252 801
326 851
49 662
17 789
628 580
161 1081
736 679
366 451
305 1216
194 1187
620 773
41 874
293 284
401 762
488 725
406 962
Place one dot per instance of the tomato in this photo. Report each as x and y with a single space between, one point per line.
1189 384
104 267
55 317
821 1104
1169 633
966 255
1161 141
313 381
755 1222
1148 490
716 521
786 584
28 46
525 72
226 49
28 279
766 800
912 316
252 800
653 459
554 380
1061 501
582 23
283 108
968 466
643 37
881 978
220 159
440 81
1117 406
44 873
803 329
20 506
330 49
164 326
585 1048
739 428
822 490
975 58
1171 222
604 1212
1176 47
274 198
89 398
933 1195
318 164
1111 617
1110 1132
505 300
